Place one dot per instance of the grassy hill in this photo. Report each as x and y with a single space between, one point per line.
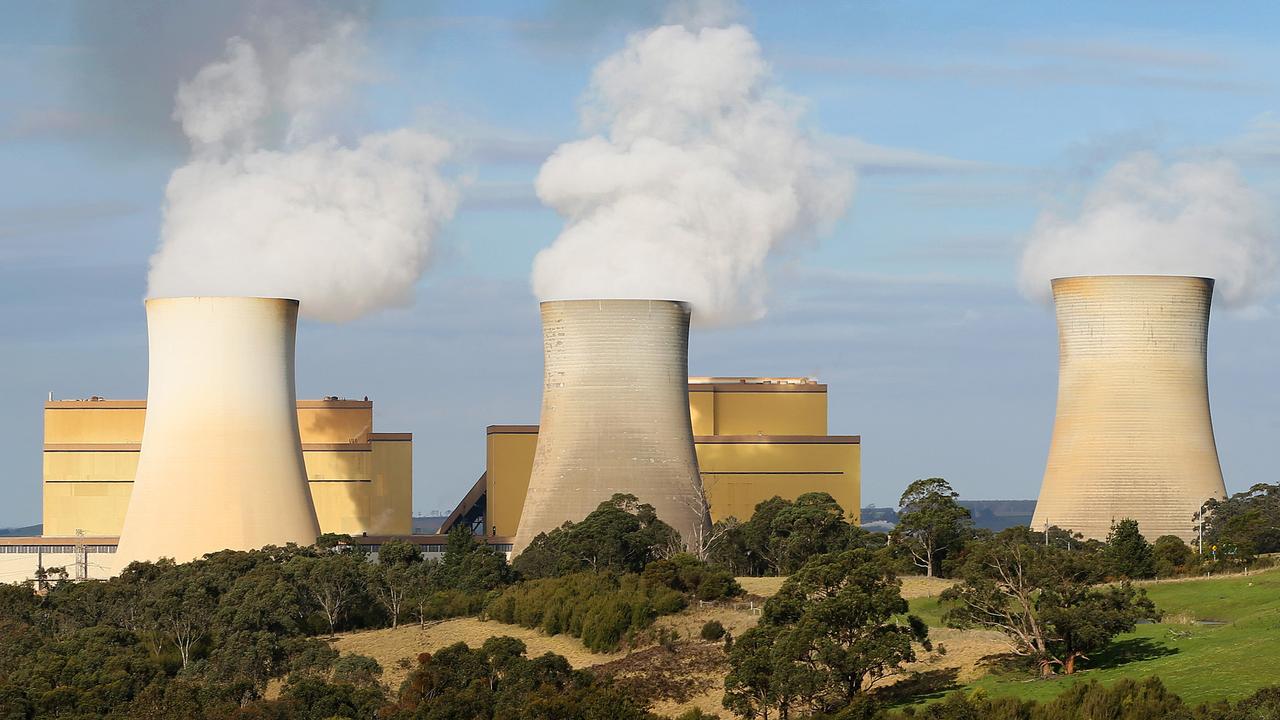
1220 638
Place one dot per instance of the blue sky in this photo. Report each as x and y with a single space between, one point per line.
963 124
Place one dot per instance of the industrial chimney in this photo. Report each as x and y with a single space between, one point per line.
221 463
1132 437
615 415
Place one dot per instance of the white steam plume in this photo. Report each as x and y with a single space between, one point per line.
268 205
1148 218
698 170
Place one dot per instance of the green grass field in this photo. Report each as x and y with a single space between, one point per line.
1199 662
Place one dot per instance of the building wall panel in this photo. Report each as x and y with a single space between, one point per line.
344 505
770 413
97 508
391 494
94 422
510 462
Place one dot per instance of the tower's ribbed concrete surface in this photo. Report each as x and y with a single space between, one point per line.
615 415
221 462
1132 437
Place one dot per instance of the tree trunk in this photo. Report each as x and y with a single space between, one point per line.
1046 667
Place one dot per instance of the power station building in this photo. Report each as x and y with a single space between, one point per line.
754 438
360 481
1132 437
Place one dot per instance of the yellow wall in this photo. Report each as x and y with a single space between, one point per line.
746 408
391 492
702 411
336 465
341 507
738 476
771 413
94 422
338 421
359 483
509 464
106 465
97 508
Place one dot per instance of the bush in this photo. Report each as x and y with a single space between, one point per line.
696 714
712 630
1128 554
691 576
1172 556
356 669
599 609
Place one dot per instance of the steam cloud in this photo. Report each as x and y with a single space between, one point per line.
1148 218
267 204
697 171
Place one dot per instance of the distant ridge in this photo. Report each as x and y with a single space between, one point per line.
30 530
987 514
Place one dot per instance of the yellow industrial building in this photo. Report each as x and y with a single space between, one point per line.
361 482
754 437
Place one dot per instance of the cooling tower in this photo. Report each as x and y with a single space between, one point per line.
221 463
615 415
1132 437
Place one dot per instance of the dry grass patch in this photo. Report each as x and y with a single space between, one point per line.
913 586
406 642
764 587
965 651
918 586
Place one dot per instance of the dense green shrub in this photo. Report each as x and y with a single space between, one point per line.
1171 556
600 609
712 630
689 575
357 669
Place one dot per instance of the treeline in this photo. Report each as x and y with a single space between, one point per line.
935 531
1244 525
204 639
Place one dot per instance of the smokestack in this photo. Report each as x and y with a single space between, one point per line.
221 463
1132 437
615 415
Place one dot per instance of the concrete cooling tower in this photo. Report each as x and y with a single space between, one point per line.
1132 437
221 462
615 415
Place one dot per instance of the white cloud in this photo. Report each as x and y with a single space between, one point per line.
1148 217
